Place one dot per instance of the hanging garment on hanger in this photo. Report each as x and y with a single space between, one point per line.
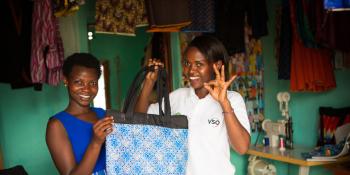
167 15
47 48
311 69
16 39
202 16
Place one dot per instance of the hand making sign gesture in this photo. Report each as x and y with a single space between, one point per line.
218 87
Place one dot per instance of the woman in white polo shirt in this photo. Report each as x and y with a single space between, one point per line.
217 118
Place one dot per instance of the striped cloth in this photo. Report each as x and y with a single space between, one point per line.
47 48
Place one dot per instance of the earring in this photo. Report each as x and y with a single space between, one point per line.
65 84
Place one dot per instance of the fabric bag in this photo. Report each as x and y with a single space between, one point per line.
146 143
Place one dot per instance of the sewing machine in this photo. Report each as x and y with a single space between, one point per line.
281 127
274 130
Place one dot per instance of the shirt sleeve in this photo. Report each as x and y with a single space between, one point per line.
238 105
153 109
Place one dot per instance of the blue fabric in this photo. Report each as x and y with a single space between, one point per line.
80 133
146 149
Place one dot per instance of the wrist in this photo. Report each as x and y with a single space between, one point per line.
225 104
96 143
228 112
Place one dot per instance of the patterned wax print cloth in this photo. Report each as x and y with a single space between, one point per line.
146 149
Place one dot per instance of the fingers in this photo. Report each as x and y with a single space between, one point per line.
212 83
104 125
155 62
207 87
231 79
223 73
217 73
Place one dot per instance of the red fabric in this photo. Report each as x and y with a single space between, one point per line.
311 69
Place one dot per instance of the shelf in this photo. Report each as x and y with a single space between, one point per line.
292 156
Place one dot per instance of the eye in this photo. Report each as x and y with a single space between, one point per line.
94 83
186 63
198 64
78 82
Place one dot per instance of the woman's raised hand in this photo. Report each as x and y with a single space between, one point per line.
218 87
152 75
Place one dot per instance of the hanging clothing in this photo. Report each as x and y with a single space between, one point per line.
202 16
47 48
17 23
311 67
305 21
167 15
285 43
230 21
120 17
257 18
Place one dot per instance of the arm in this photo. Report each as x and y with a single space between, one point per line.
143 102
61 150
238 136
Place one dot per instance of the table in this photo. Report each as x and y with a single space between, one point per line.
291 156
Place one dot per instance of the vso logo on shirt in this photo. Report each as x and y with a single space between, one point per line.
214 122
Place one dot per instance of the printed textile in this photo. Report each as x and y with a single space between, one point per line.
146 149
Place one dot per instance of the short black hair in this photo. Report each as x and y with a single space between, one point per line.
81 59
210 47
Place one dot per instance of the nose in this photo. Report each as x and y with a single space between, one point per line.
192 68
85 87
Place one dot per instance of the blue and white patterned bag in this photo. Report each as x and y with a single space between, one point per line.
147 144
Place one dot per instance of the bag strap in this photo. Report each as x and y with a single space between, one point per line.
133 88
162 90
163 93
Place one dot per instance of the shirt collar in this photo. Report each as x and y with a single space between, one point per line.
193 95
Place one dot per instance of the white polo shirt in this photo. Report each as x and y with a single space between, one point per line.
208 144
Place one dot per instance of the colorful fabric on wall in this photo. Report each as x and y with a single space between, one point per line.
311 68
47 48
202 15
330 120
249 83
66 7
120 17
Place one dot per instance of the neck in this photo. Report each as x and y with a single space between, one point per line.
201 93
77 110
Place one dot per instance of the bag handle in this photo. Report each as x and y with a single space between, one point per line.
162 90
163 93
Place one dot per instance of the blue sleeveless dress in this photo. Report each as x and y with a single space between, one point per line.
80 134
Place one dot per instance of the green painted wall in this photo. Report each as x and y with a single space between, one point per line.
23 117
129 51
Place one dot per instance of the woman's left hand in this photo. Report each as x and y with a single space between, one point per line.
218 87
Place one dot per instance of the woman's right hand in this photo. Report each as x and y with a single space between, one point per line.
152 75
101 129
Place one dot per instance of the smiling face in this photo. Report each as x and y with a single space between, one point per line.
82 85
197 70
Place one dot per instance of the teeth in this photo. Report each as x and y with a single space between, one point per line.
194 78
84 96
